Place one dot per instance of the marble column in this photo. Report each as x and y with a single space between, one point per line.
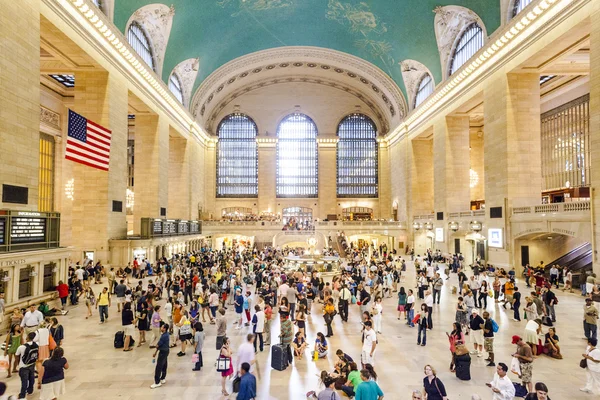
179 178
327 153
595 130
267 175
151 175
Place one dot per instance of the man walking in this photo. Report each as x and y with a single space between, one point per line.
28 356
525 357
438 282
286 336
590 319
245 353
258 326
120 291
247 383
345 297
488 338
162 348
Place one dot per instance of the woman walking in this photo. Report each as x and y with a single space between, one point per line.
328 313
42 338
483 294
142 323
402 297
592 369
51 376
12 343
455 338
185 332
433 388
227 354
90 300
461 314
423 325
155 325
410 308
199 340
127 321
377 311
301 319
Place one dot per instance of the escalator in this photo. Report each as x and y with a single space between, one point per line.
578 261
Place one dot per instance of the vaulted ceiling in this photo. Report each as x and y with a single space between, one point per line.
383 32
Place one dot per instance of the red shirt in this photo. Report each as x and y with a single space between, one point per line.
63 290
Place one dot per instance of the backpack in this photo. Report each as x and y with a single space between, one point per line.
495 326
31 354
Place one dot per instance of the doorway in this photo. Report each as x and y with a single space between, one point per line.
456 245
524 255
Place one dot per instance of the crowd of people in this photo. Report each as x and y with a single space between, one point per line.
167 304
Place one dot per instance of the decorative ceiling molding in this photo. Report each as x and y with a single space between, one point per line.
376 112
301 61
187 71
412 73
449 23
157 20
108 8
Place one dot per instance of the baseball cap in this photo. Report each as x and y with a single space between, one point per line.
515 339
475 311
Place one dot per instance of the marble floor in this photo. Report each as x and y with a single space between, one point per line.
98 371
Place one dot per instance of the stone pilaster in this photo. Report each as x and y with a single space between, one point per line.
421 177
595 130
151 174
512 151
210 180
399 178
267 176
100 97
179 178
385 202
197 177
327 180
20 99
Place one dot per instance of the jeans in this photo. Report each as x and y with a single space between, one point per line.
550 311
103 310
292 310
349 390
258 336
343 306
590 330
517 315
160 372
423 330
429 321
199 364
410 316
482 300
438 293
27 376
213 311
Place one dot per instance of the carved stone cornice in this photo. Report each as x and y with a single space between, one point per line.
49 118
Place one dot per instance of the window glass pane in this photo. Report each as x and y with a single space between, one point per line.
140 43
520 5
357 164
297 162
46 174
175 87
469 43
49 285
426 87
237 157
25 283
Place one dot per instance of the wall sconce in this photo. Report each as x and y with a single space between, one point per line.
32 271
54 267
5 276
416 226
453 226
70 189
475 226
429 226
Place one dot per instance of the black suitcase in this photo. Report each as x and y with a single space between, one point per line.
279 357
119 340
463 367
547 321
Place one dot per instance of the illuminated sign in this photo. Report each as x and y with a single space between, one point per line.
439 234
157 227
27 230
2 226
495 238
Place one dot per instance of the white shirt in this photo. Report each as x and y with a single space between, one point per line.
32 318
429 300
79 273
595 354
42 337
507 390
410 299
168 309
283 290
370 338
20 352
260 321
245 354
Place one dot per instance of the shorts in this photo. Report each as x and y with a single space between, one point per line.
365 358
401 307
488 344
476 336
120 300
52 390
526 372
129 330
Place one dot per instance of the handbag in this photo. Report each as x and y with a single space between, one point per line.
4 364
51 343
461 350
223 364
236 384
583 363
195 358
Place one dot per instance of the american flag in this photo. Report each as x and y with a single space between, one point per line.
88 143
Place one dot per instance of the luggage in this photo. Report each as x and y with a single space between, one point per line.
463 367
547 321
520 390
236 384
119 340
279 357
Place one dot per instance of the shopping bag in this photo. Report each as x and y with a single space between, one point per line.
416 318
4 363
515 366
195 358
315 355
51 343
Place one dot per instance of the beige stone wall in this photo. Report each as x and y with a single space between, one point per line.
421 177
20 99
399 177
595 126
477 165
327 180
179 178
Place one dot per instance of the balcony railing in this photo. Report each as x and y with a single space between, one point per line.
467 214
553 208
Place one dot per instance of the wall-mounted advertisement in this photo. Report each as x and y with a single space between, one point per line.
495 238
439 234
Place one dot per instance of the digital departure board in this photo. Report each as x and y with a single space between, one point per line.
157 227
194 227
27 230
169 228
2 227
183 227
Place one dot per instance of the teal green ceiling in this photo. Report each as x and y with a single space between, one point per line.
383 32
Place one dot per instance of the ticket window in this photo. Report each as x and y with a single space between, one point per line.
139 254
87 257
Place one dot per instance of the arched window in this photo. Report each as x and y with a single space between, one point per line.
237 157
138 39
519 5
469 43
297 162
357 157
175 87
426 87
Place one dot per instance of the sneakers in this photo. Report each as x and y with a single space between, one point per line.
491 364
155 385
479 354
163 381
585 390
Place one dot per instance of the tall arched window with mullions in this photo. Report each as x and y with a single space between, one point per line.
518 6
357 166
297 161
469 43
426 87
237 157
138 39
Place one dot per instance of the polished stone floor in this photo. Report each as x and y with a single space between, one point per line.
98 371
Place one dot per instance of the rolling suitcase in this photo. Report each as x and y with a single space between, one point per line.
119 340
463 367
279 357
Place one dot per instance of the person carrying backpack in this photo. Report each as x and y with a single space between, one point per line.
28 354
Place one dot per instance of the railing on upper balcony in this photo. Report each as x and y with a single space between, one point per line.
317 224
553 208
467 214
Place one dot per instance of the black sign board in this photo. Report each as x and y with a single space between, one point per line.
194 227
27 230
169 228
157 227
2 227
183 228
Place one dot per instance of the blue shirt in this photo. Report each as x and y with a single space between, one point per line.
239 307
163 342
247 387
368 390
